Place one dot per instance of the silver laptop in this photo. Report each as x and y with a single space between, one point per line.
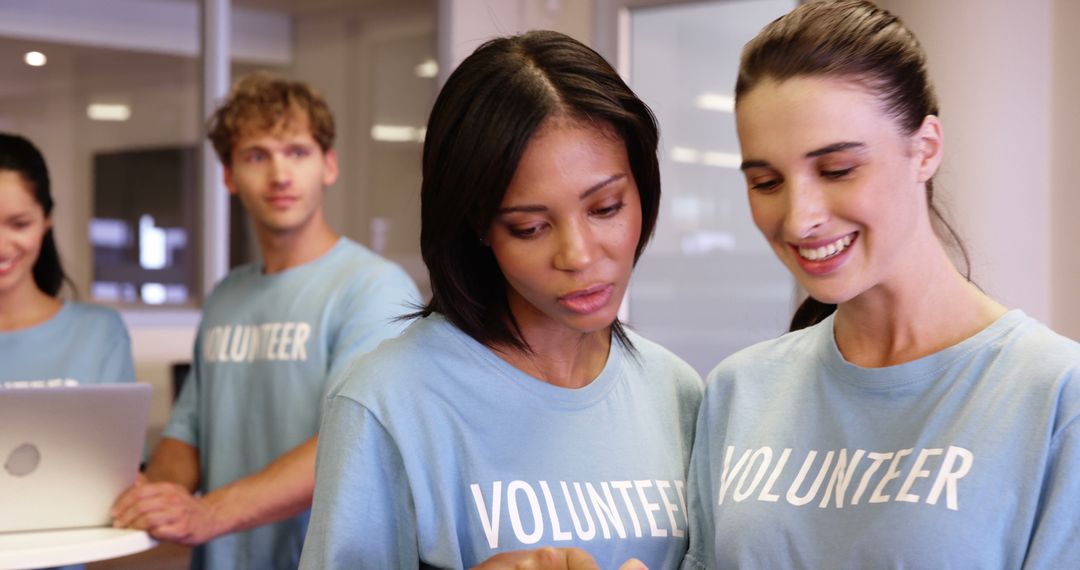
66 453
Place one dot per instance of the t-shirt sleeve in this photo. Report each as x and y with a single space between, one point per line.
699 555
371 315
117 364
1054 542
362 513
184 421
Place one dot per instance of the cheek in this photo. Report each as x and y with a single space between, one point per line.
766 215
515 260
29 241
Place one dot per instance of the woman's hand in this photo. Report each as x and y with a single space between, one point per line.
550 559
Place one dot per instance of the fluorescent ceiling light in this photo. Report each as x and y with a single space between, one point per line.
397 133
108 112
715 102
35 58
722 159
687 155
427 69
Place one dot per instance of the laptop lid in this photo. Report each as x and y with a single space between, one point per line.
66 453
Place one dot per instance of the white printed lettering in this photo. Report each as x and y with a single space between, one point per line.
917 472
741 491
669 507
515 515
793 491
557 533
728 474
606 511
891 473
949 474
286 341
300 338
841 477
489 522
878 459
766 492
583 534
649 507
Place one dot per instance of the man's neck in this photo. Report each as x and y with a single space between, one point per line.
284 251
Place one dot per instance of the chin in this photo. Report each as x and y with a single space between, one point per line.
829 295
587 324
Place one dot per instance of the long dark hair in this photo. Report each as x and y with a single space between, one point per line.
20 155
855 40
482 120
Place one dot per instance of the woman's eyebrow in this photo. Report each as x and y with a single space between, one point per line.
532 208
835 147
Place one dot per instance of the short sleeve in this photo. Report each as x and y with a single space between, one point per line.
1054 542
699 490
117 364
372 314
362 514
184 421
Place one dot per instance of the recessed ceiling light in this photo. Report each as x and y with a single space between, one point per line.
427 69
398 133
715 102
108 112
35 58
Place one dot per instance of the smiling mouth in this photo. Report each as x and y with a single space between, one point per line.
7 264
828 250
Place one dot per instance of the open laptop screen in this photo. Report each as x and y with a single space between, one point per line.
67 453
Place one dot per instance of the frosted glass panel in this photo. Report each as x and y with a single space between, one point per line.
708 284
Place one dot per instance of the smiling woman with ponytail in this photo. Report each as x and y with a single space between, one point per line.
45 340
911 420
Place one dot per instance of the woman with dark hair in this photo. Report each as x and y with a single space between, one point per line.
517 412
919 424
45 341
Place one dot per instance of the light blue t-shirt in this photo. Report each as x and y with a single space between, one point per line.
81 343
265 349
967 458
437 451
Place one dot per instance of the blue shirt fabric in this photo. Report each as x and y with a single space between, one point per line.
265 348
437 451
966 458
81 343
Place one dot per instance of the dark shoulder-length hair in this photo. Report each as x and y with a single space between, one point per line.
19 155
853 40
482 120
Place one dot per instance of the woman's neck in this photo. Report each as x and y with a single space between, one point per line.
568 359
25 307
925 309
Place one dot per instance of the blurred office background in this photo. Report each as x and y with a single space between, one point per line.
114 92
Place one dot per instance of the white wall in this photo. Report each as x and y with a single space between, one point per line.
992 62
465 24
1065 199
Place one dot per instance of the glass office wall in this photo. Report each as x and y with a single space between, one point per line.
709 284
119 129
117 114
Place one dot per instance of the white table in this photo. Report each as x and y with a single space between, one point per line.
20 550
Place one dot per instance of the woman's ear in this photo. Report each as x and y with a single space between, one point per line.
929 141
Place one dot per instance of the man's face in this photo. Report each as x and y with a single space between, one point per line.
280 176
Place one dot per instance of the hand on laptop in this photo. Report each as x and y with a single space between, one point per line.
167 511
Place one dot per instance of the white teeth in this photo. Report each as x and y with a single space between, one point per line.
7 264
826 251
